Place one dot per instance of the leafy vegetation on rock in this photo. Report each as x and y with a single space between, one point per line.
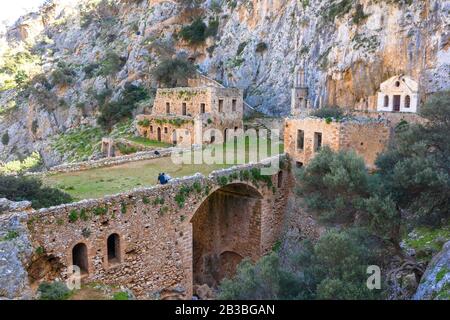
54 291
173 72
198 31
113 112
19 188
333 268
30 163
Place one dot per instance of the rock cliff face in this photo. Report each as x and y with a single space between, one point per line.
435 283
347 47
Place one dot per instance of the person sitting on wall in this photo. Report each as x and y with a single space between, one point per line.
163 178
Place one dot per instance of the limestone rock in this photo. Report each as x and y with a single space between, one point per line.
435 283
15 252
11 206
345 58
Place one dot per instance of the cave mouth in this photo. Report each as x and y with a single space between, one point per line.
226 229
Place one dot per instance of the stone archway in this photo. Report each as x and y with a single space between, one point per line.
226 229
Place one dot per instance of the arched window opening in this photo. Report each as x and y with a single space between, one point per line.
280 179
80 257
407 101
113 244
174 137
397 84
225 132
386 101
159 134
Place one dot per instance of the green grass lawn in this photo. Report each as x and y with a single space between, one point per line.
99 182
149 143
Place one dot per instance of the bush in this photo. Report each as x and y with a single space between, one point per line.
54 291
90 69
197 31
415 169
121 296
261 47
173 72
5 138
111 64
19 188
337 9
28 164
328 112
62 75
334 268
113 112
359 14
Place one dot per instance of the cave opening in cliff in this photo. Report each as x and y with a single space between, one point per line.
226 229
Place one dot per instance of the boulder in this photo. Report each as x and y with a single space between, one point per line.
435 282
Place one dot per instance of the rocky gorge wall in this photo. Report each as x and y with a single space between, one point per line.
347 48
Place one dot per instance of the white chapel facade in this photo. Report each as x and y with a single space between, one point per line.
398 94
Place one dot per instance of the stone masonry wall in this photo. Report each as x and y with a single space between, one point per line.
367 137
155 230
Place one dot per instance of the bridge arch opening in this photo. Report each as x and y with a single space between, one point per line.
80 257
226 229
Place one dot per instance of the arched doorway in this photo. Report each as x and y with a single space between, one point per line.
159 133
225 132
174 137
226 229
80 257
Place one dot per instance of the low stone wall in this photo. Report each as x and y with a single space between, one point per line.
113 161
153 225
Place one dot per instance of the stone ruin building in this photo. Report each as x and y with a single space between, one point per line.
303 137
398 94
366 133
200 113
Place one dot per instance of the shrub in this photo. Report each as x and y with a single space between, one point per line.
5 138
126 149
334 268
359 14
261 47
111 64
54 291
123 207
144 123
73 216
173 72
113 112
195 32
213 27
337 9
241 47
121 296
11 235
90 69
100 211
62 75
19 188
415 169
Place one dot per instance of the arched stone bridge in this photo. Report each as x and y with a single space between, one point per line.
164 239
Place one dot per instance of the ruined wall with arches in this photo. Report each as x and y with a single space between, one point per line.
165 239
